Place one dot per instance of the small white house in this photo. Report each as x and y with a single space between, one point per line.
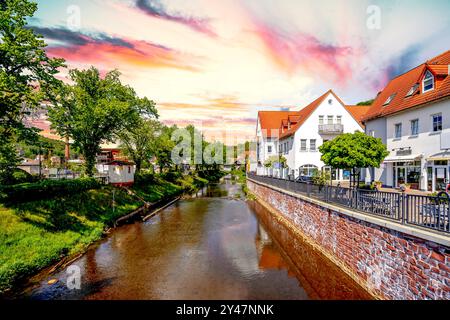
118 173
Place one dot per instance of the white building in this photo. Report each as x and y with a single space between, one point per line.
301 133
412 117
119 173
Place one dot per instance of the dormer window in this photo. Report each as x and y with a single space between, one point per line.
389 100
428 82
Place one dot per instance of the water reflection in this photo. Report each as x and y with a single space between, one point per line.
211 246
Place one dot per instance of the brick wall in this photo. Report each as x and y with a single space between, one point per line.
390 264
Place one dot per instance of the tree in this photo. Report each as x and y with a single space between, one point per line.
94 110
140 142
164 147
26 75
273 160
366 103
354 151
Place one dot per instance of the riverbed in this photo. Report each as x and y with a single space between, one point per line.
213 245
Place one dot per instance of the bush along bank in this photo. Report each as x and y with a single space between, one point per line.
37 230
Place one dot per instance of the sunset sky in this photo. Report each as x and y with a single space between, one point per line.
215 63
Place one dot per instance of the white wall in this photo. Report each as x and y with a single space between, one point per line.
426 142
310 130
377 128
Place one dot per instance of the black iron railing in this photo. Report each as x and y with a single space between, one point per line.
430 212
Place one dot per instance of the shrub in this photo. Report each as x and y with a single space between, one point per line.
172 176
144 178
45 189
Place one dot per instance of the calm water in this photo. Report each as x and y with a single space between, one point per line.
213 246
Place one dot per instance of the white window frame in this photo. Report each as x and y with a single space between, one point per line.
412 127
321 119
339 119
301 145
427 78
432 122
330 119
398 125
311 145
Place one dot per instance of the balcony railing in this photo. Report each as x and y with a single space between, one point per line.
331 128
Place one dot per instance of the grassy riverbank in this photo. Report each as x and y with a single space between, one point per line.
35 234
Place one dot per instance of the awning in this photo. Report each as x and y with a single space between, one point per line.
439 156
412 157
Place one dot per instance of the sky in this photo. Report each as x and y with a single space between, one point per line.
216 63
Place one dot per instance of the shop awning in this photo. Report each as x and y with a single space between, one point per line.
439 156
412 157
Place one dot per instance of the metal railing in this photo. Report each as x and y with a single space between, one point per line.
331 128
430 212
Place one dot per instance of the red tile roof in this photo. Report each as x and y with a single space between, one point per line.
358 112
304 115
401 85
270 121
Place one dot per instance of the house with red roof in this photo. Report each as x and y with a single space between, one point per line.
412 117
297 135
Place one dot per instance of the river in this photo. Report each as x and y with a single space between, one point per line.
214 245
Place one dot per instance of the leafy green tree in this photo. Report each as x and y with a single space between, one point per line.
366 103
164 147
94 110
354 151
140 142
271 161
26 75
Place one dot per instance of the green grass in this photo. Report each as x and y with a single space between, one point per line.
35 234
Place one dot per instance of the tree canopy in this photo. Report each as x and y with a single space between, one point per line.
353 150
26 76
95 109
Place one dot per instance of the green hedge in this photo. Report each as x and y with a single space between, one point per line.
46 189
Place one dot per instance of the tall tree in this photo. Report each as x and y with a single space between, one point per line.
140 142
26 75
95 109
164 147
354 151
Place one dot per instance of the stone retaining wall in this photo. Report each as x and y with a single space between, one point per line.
390 264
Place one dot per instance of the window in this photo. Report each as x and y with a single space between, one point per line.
320 119
269 149
312 145
308 170
389 100
372 133
303 145
398 130
415 127
339 120
412 90
428 81
437 122
330 119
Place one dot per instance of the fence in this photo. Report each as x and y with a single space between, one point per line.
430 212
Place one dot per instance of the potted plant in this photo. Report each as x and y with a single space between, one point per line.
378 184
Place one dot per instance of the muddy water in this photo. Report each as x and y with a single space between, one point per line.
212 246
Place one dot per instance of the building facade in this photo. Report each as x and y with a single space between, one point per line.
412 117
300 134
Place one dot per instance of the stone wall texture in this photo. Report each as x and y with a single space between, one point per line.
390 264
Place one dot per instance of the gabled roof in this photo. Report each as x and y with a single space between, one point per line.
401 85
358 112
270 121
304 114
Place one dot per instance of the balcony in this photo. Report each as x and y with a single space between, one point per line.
331 128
